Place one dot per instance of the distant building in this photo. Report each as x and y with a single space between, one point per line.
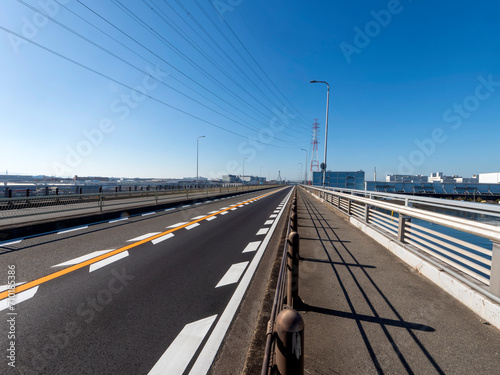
344 180
230 178
489 178
406 178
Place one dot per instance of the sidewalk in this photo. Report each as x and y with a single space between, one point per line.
367 312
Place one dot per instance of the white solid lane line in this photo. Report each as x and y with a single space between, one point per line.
72 230
207 355
189 227
105 262
83 258
20 297
149 213
269 222
211 218
10 243
181 351
178 224
233 274
117 220
162 238
143 237
252 246
262 231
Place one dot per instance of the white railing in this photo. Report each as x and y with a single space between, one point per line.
393 215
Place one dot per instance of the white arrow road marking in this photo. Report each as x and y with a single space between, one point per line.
181 351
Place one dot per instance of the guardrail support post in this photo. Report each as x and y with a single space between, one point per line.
367 214
349 207
290 343
402 224
495 270
100 201
292 294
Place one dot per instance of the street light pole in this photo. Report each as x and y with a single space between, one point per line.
326 124
197 147
305 172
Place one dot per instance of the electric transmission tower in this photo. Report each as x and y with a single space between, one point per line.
314 154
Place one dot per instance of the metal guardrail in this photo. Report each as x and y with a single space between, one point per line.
397 221
285 329
97 202
410 200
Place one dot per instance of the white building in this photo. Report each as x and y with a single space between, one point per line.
489 178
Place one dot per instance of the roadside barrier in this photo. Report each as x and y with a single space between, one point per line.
284 353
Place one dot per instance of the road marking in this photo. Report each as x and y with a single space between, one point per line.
252 246
223 208
83 258
232 209
224 213
198 217
189 227
212 212
276 211
273 216
10 243
170 209
20 297
187 205
162 238
207 355
7 287
72 229
178 355
149 213
269 222
67 270
233 274
105 262
144 236
178 224
211 218
117 220
262 231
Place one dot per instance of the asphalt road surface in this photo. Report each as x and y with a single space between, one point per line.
154 294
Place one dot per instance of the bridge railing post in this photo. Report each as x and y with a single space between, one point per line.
367 213
292 294
290 343
402 225
495 270
349 207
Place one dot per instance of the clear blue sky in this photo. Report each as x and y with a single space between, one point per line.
415 87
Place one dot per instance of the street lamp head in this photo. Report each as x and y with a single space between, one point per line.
313 81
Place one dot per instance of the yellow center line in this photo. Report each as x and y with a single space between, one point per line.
75 267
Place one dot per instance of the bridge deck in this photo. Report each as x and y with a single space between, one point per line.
367 312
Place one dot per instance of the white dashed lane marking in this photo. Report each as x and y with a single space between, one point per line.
83 258
252 246
178 355
233 274
102 263
262 231
20 297
189 227
143 237
177 225
162 238
269 222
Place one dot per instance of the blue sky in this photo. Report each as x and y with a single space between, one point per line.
415 87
